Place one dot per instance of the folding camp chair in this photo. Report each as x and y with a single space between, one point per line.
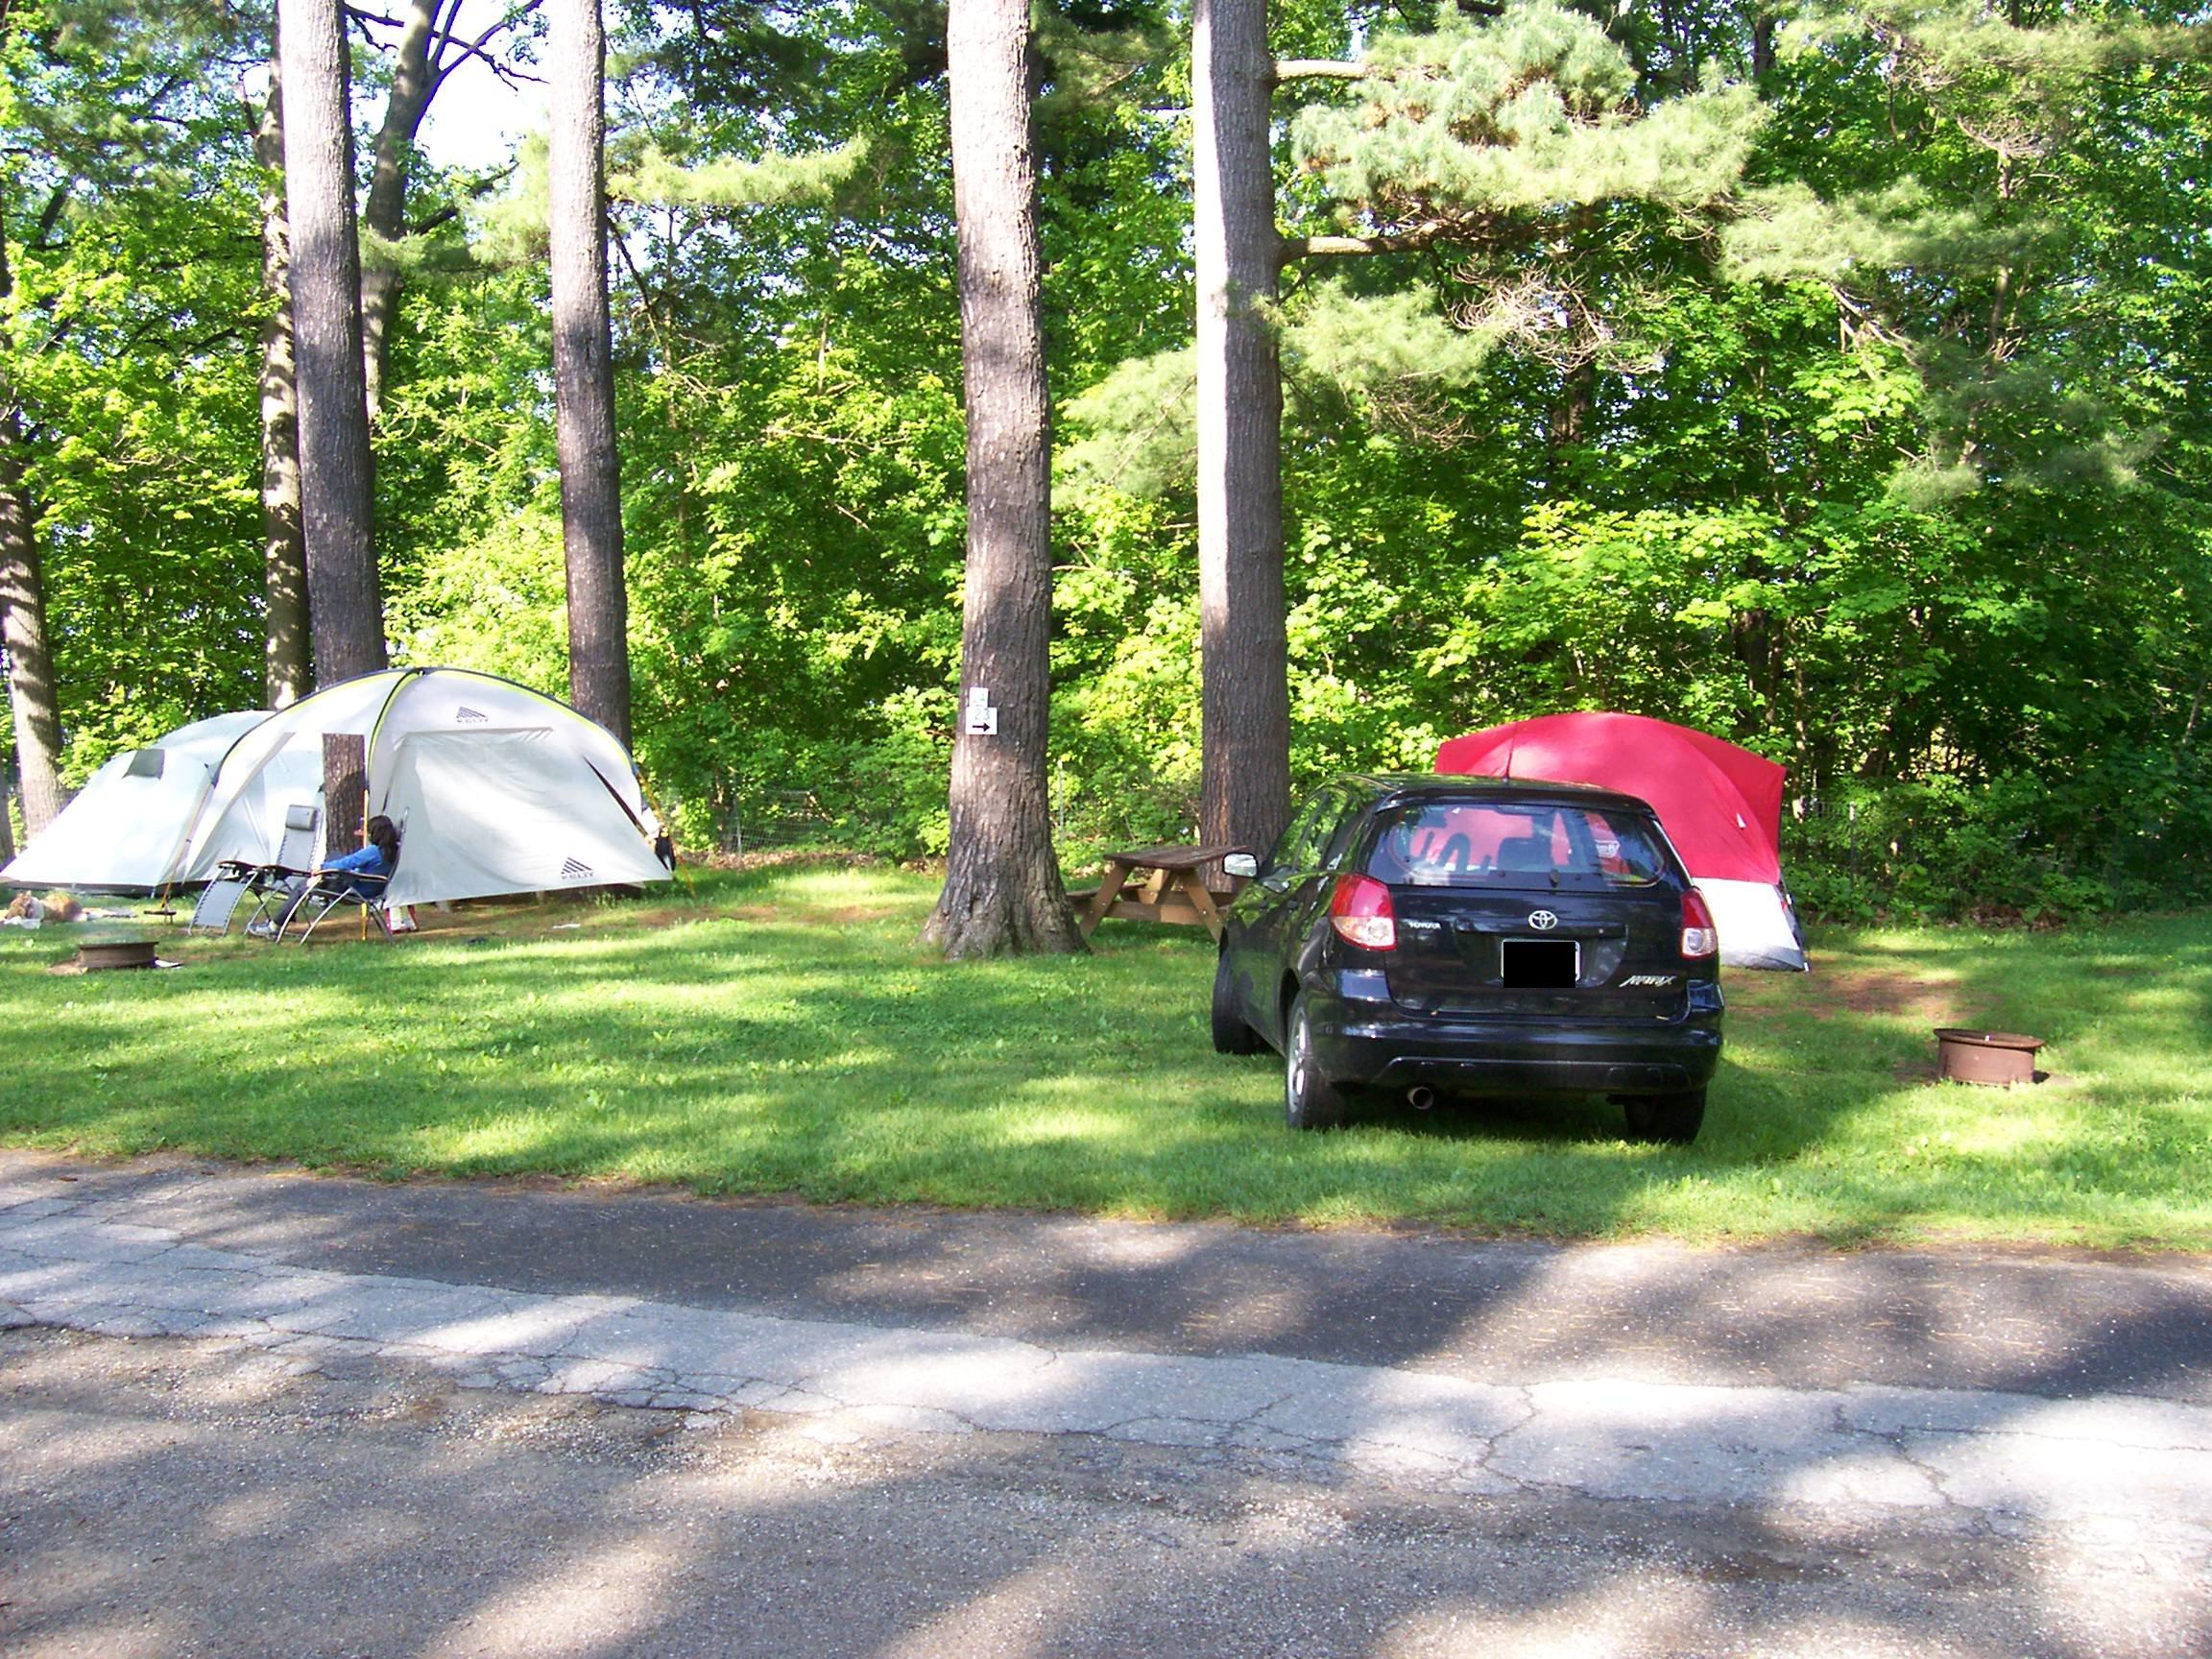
328 892
266 885
218 902
271 884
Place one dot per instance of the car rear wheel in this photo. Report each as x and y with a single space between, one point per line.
1230 1035
1673 1118
1309 1101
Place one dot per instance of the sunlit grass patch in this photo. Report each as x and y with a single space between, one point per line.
784 1031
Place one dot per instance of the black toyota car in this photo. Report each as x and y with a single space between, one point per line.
1437 936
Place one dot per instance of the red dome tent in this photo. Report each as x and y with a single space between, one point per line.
1721 807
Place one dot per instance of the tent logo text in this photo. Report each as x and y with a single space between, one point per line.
466 716
572 871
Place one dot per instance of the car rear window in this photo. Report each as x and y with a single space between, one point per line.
1516 844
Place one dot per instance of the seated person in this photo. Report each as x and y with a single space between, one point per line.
373 864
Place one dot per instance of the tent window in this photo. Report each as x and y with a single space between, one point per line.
145 764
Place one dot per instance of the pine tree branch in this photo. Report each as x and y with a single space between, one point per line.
476 189
476 49
367 21
648 301
1296 248
1289 69
222 336
50 216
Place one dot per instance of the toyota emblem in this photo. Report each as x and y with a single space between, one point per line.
1543 921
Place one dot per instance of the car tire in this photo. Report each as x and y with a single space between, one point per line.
1230 1035
1671 1119
1309 1101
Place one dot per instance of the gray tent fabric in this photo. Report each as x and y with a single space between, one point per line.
487 811
126 829
496 788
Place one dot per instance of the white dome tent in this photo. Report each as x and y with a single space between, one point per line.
125 830
496 788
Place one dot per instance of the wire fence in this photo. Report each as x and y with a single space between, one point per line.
777 820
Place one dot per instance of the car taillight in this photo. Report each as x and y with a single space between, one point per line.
1700 937
1360 912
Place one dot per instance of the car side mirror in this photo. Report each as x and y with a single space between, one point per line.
1242 865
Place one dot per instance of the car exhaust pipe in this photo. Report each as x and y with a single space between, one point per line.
1421 1097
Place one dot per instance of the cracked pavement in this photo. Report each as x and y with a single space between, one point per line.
122 1255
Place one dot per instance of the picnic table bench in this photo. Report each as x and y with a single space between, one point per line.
1157 884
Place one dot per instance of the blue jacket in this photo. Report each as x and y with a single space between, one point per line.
369 861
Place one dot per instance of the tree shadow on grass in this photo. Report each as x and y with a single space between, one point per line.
847 1063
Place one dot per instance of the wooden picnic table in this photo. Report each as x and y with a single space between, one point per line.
1158 884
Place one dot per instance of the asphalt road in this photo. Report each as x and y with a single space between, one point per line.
2040 1323
247 1411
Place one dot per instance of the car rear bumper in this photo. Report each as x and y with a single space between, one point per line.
1366 1043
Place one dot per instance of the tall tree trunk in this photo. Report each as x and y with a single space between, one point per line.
1762 43
1244 669
584 368
1002 890
288 667
414 82
31 690
1572 411
32 695
336 499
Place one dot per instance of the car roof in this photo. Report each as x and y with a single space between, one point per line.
1394 788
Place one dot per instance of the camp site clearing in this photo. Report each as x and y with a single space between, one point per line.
780 1031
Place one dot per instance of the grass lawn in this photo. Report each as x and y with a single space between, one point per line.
781 1032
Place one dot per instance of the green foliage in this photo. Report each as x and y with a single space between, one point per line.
1862 420
1529 112
496 604
1974 231
652 176
1125 682
1386 349
1134 432
127 207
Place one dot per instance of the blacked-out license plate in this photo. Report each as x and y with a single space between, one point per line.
1540 964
